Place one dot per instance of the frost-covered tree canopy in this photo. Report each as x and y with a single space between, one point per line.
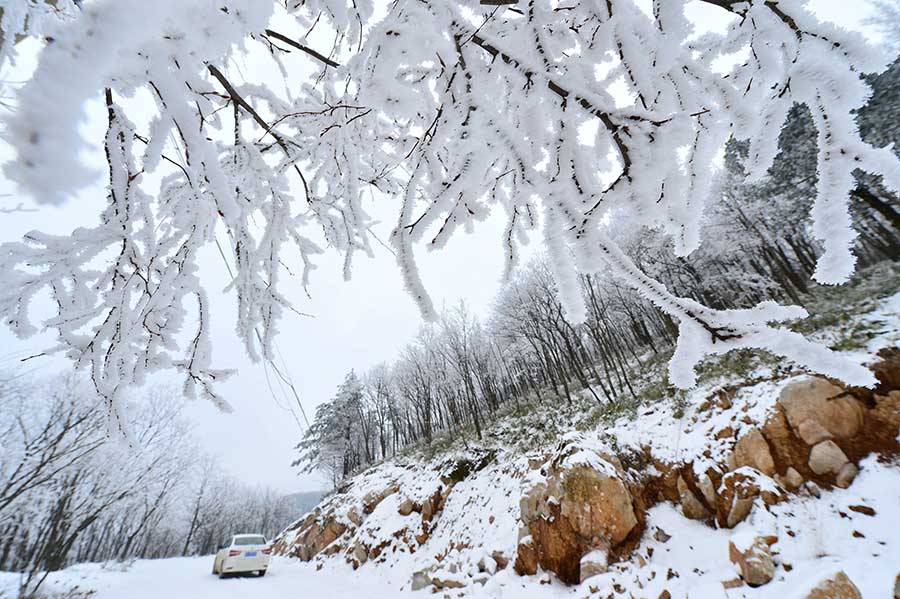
592 121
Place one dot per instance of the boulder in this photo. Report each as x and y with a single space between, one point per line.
754 559
420 580
487 564
594 563
738 491
500 559
897 587
791 479
691 506
582 504
846 475
360 553
406 507
818 410
787 448
446 583
354 516
733 583
827 458
752 450
317 537
661 535
434 504
597 505
526 557
838 586
707 489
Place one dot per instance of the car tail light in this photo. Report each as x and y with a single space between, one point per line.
234 553
266 550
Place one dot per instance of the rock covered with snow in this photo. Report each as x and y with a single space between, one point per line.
578 505
753 557
838 586
753 450
819 410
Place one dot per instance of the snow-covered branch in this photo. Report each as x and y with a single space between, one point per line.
599 119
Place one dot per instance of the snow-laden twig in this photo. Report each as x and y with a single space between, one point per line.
451 108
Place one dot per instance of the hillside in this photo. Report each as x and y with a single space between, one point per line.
761 482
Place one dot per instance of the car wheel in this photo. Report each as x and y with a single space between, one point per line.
262 573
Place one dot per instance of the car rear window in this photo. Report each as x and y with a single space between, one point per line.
260 540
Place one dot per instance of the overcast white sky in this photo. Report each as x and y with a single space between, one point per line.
355 324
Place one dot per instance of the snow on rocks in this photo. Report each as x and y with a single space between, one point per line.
594 510
753 558
738 492
594 563
838 586
452 521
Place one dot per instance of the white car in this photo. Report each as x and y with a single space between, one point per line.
242 554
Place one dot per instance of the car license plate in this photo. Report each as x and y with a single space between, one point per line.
250 554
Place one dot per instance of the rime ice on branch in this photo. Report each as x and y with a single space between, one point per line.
452 107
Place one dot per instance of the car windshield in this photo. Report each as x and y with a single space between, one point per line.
250 540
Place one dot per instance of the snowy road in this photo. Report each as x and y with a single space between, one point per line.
190 578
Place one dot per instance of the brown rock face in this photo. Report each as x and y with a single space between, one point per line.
577 509
818 410
787 448
318 536
755 562
597 505
526 557
838 586
753 450
827 458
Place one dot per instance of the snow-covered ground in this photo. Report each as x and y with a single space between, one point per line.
190 578
816 537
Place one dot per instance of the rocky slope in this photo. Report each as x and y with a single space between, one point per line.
737 489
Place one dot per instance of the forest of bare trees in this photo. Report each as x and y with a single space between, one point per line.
460 371
68 494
